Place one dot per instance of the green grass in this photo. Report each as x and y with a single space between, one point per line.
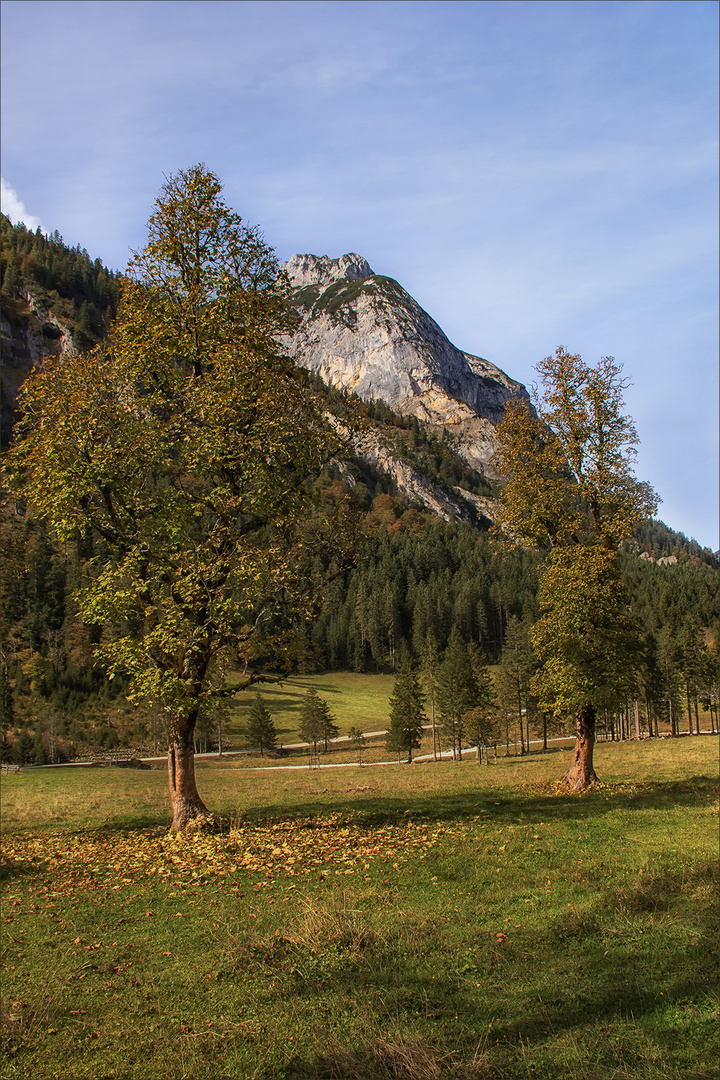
355 700
425 921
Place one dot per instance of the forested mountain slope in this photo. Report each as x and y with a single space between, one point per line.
54 299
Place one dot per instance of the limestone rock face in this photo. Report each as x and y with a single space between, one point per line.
410 484
363 332
25 346
321 270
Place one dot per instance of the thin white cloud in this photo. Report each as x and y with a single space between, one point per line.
15 209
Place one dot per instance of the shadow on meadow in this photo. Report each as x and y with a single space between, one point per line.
599 984
608 987
547 803
596 987
526 807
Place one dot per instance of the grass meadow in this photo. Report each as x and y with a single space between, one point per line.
355 700
434 920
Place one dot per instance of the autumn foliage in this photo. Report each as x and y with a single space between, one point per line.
571 492
184 447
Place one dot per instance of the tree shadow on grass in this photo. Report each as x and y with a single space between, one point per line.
11 868
698 791
371 811
596 996
615 989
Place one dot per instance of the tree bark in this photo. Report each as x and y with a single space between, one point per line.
649 712
520 716
184 798
581 774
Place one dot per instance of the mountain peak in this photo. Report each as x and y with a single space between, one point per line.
364 333
322 270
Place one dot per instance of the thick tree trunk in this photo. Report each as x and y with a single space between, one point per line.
581 774
184 798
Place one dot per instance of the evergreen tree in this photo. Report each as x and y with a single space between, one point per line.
516 670
316 721
328 723
651 684
429 671
23 749
457 690
709 690
669 662
85 332
483 727
357 741
482 721
406 710
691 644
259 726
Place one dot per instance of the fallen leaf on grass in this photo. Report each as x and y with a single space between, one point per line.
91 862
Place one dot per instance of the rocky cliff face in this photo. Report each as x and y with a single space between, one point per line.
25 344
363 332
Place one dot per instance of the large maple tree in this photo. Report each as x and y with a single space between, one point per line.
572 492
184 445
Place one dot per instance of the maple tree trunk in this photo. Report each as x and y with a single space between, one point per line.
184 798
581 774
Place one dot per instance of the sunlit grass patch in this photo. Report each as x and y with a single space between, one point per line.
355 700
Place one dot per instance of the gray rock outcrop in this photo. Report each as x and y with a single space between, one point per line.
24 346
363 332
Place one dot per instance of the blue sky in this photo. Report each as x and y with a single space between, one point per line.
534 174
